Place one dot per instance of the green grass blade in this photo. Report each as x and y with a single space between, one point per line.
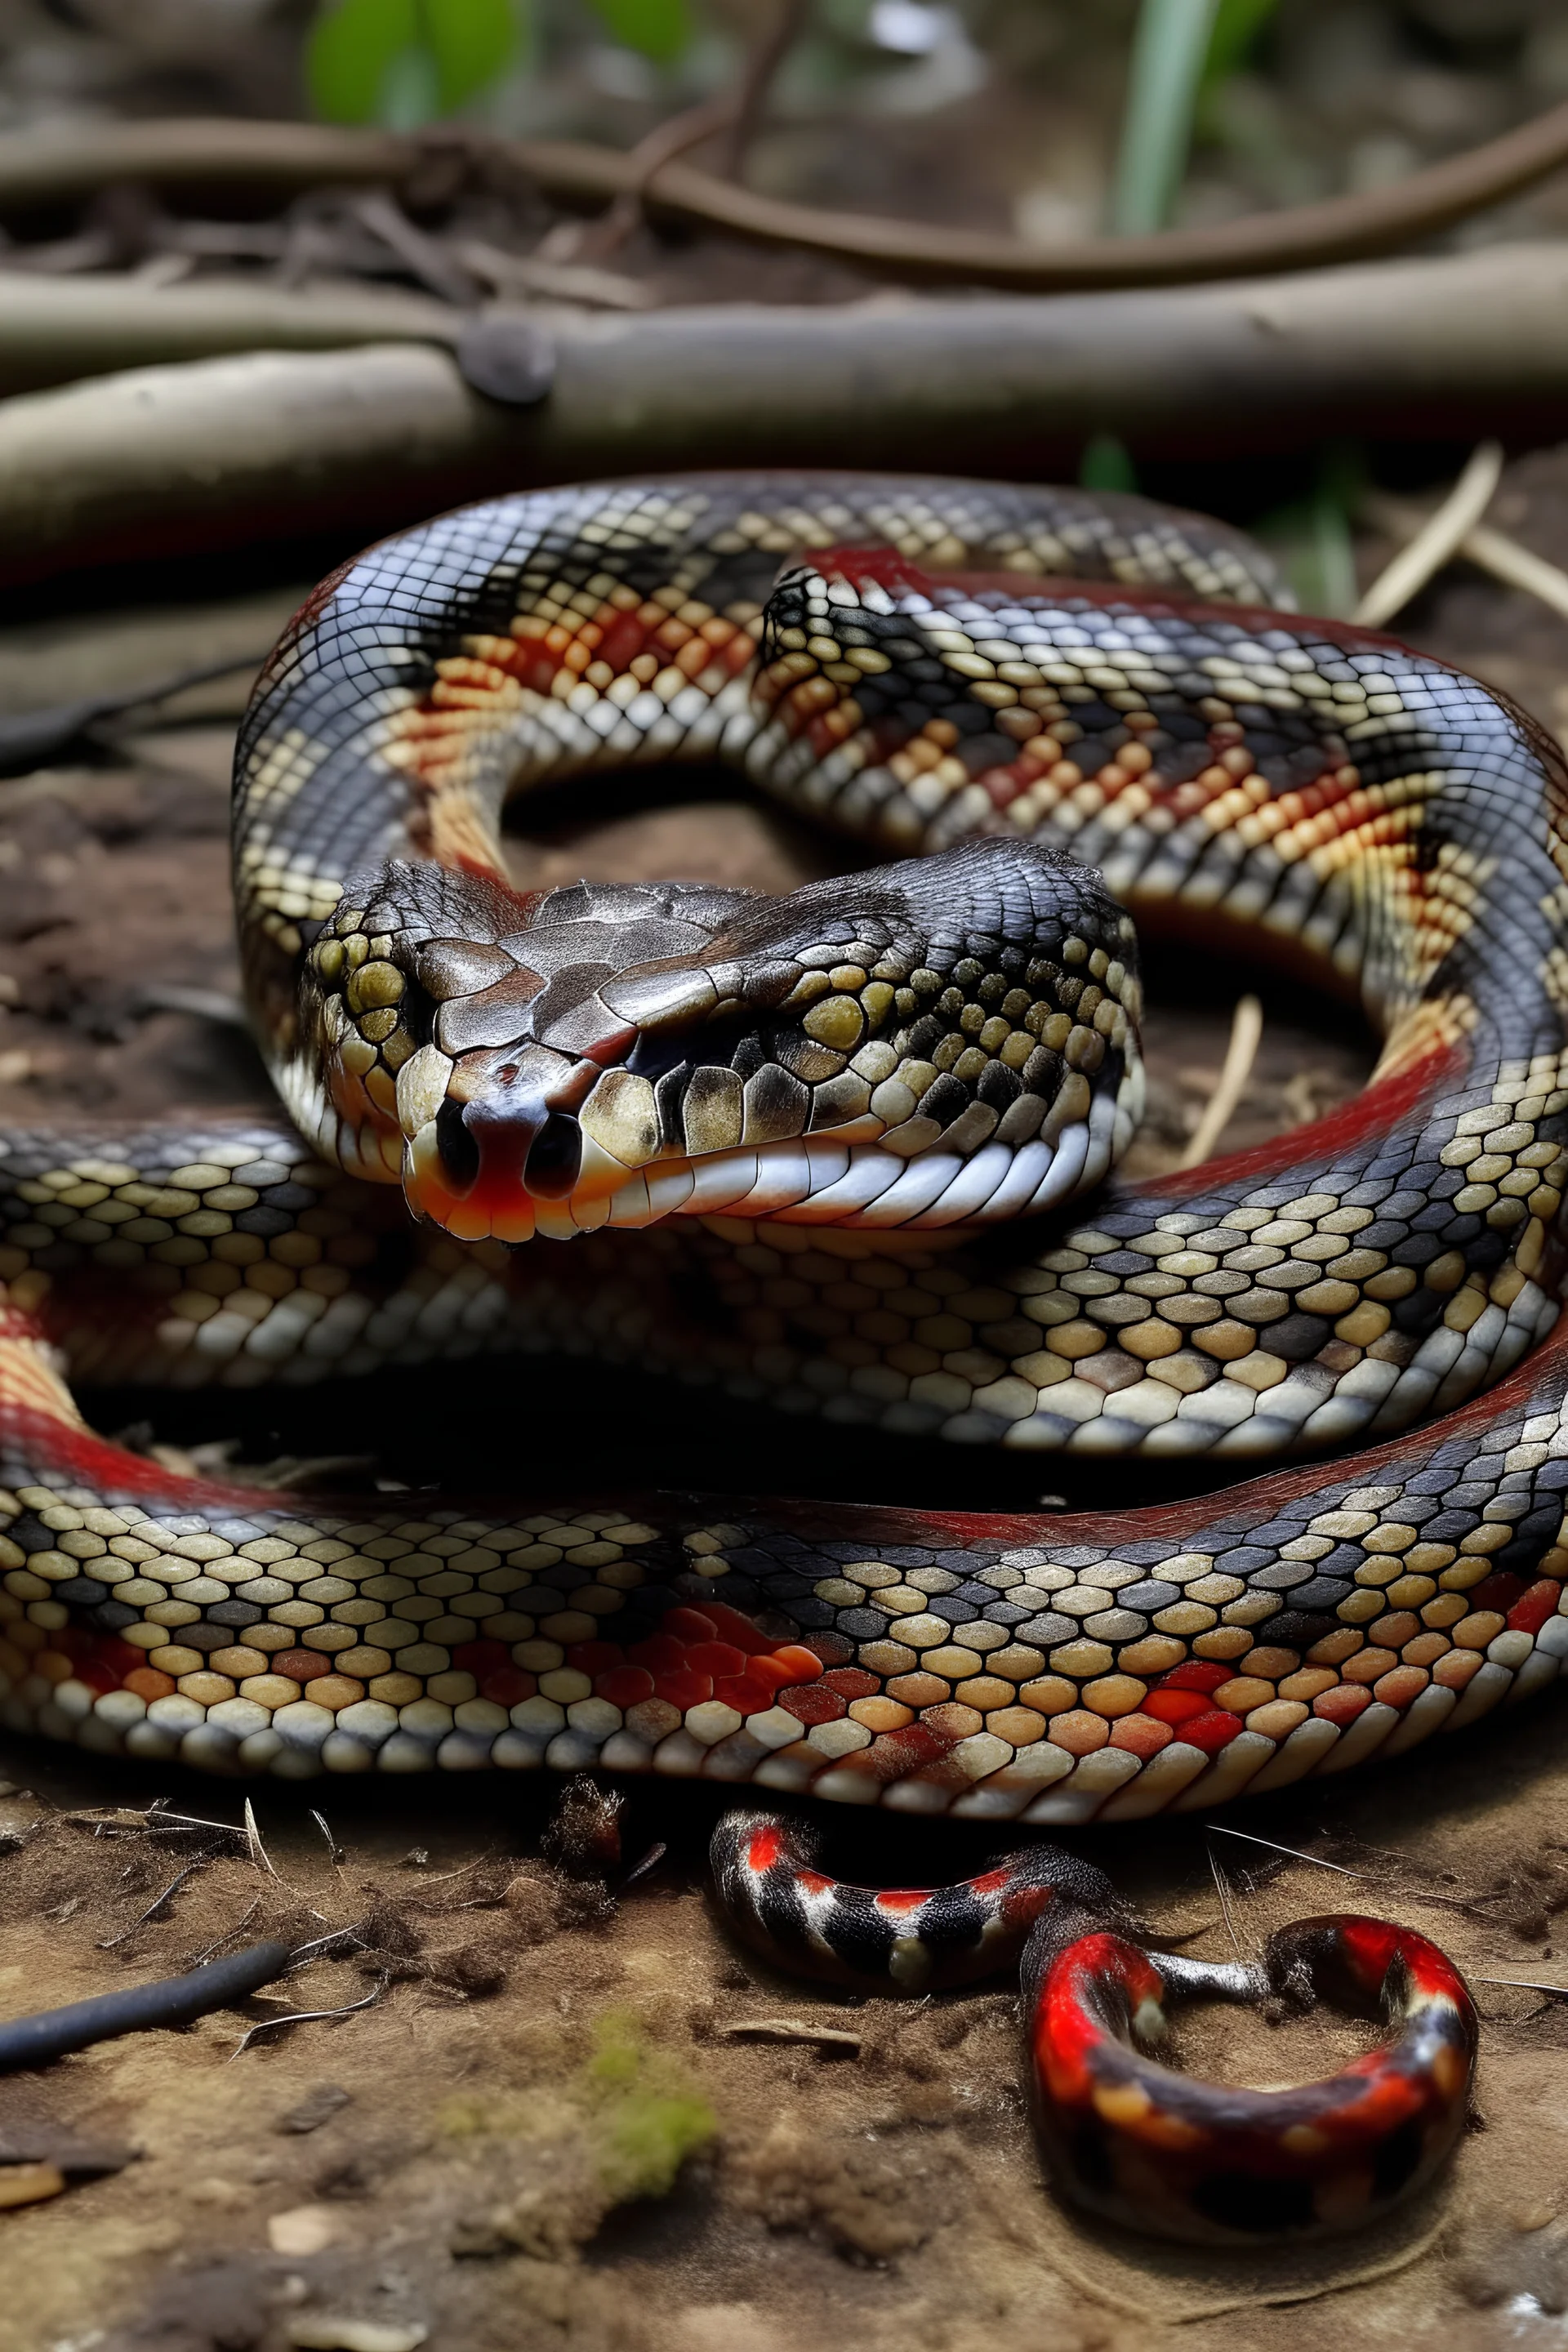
1169 50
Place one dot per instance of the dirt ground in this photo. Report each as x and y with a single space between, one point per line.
567 2112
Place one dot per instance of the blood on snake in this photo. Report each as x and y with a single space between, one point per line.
860 1117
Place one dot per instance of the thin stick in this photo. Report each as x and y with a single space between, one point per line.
1245 1034
30 739
789 2029
148 1822
200 1004
767 55
1491 551
322 1945
1222 1891
429 262
258 1854
239 1928
598 239
1436 542
650 1861
1506 560
153 1908
562 281
1524 1984
41 168
334 1848
304 2017
1218 1829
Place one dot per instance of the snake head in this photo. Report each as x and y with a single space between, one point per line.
935 1042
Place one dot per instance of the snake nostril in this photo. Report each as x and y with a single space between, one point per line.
459 1153
554 1158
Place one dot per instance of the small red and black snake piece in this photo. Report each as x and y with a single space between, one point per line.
1126 2137
908 1940
1140 2143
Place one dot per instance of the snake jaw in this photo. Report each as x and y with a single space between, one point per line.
954 1040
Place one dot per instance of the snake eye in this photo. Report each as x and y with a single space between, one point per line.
554 1158
459 1153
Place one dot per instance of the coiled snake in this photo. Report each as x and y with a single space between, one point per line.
834 1107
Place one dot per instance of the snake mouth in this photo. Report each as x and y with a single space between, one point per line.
482 1179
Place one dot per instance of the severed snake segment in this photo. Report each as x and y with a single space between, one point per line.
1127 2136
909 1941
1136 2141
820 1150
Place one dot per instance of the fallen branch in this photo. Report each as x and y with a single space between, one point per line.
55 329
38 168
275 444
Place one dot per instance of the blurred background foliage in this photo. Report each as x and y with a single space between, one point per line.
404 63
1052 119
1004 114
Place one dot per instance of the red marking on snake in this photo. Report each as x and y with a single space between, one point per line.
1195 1674
1528 1615
52 1445
1175 1706
764 1848
1065 2033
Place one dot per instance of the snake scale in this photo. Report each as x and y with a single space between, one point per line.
828 1150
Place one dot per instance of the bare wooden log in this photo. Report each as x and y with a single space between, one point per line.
53 330
166 459
275 444
48 166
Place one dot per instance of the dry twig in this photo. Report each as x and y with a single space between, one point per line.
1240 1053
304 2017
260 1858
54 329
1491 551
155 1906
1436 542
40 168
789 2028
1218 1829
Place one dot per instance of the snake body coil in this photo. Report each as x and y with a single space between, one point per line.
803 1098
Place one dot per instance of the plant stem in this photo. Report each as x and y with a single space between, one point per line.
1168 51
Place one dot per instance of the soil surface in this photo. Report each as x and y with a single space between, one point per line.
565 2110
